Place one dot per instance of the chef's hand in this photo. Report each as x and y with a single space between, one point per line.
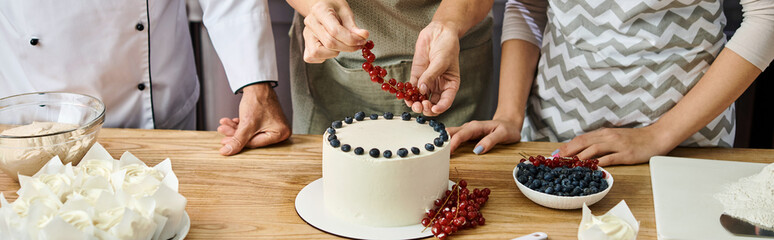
491 133
616 146
329 29
260 123
436 68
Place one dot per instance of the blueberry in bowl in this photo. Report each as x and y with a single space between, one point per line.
562 183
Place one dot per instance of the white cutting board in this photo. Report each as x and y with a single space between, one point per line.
683 195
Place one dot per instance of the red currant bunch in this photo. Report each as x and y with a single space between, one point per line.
569 162
400 89
458 209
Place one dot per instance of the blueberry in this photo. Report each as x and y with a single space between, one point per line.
557 181
388 115
534 185
597 173
359 116
549 190
445 137
331 137
587 178
374 152
331 130
583 184
603 185
540 175
521 165
566 182
433 122
387 154
566 189
522 179
548 176
374 116
402 152
346 147
359 151
439 127
594 189
438 142
593 184
415 150
335 143
575 183
429 147
544 183
336 124
405 116
348 120
587 191
576 191
420 119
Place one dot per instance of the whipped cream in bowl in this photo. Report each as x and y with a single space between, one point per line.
35 127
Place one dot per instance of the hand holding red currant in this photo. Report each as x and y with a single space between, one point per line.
329 28
401 90
436 68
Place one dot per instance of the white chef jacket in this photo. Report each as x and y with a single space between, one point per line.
135 55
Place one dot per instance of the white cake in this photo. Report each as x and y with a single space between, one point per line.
381 191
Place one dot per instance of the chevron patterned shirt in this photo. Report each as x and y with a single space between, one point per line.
607 63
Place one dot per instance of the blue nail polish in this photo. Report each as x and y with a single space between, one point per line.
478 150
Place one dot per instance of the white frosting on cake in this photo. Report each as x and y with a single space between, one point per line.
381 191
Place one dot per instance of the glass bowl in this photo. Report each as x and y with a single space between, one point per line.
35 127
562 202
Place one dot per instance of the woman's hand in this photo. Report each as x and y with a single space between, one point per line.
329 29
618 146
491 133
436 68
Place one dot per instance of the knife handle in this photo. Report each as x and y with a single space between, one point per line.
533 236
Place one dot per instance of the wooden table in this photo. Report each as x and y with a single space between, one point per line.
252 195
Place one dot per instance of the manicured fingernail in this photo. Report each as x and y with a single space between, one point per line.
226 149
478 150
555 153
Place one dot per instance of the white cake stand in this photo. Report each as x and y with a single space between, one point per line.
309 206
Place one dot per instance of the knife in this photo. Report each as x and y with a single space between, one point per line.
533 236
741 227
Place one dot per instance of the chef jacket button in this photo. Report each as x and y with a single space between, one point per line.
141 86
34 41
139 27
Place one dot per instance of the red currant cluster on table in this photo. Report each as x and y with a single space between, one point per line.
377 73
555 162
458 209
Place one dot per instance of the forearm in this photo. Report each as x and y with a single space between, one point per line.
462 14
517 71
725 80
303 7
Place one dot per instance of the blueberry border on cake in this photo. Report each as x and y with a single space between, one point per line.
375 152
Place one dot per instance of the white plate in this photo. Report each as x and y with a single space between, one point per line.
309 206
186 225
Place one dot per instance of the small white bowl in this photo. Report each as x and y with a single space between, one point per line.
563 202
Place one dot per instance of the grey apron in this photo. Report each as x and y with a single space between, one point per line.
339 87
